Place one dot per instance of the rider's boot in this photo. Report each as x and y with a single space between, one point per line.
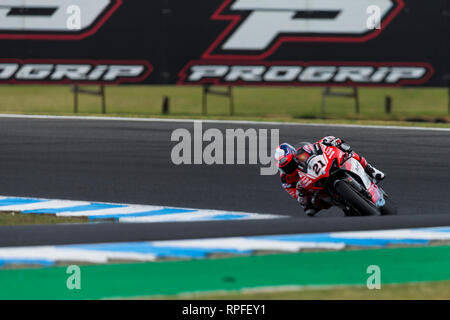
374 172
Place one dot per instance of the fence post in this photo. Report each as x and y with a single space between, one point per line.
165 106
77 90
328 93
388 104
205 92
75 99
230 93
208 90
102 93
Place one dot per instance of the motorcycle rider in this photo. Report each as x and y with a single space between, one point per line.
292 161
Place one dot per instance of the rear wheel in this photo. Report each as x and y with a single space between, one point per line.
389 208
354 200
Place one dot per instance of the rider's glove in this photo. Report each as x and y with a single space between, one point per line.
329 140
345 147
332 141
337 142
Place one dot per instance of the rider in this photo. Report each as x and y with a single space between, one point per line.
290 160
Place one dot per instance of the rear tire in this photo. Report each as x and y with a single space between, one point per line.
389 209
355 200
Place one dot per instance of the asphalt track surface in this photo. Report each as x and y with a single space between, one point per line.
130 162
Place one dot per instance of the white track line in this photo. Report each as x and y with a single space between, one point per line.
194 216
149 251
219 121
394 234
131 209
125 212
51 204
173 217
56 253
244 244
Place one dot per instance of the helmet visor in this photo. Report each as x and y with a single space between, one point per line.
303 156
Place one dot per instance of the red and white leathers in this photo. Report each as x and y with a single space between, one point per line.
291 182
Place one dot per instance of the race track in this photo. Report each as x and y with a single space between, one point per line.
129 162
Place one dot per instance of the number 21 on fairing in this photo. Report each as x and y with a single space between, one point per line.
317 165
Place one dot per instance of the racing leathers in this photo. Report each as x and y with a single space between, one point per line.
311 203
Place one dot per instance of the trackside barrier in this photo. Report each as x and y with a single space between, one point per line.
328 93
208 90
77 90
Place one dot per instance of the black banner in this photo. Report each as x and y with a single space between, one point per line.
230 42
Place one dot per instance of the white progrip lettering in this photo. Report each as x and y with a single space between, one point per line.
118 71
201 72
71 71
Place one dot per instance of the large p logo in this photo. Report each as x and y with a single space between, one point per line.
47 19
259 26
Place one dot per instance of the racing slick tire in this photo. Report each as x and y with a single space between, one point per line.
355 200
389 208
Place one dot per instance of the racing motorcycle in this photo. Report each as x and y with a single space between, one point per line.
336 178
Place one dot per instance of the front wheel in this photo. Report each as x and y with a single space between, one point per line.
354 200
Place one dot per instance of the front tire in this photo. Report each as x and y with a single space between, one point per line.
355 200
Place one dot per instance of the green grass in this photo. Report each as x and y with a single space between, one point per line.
236 274
17 219
439 290
269 103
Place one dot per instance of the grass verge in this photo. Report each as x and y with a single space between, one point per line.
172 278
438 290
415 106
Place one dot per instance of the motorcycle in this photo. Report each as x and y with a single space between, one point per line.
335 178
